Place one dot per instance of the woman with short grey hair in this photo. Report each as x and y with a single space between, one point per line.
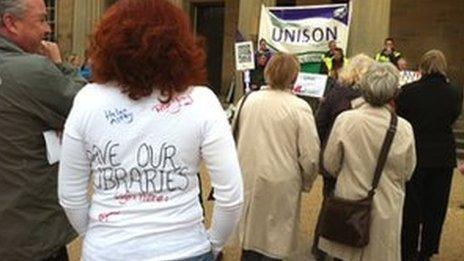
344 95
351 155
380 85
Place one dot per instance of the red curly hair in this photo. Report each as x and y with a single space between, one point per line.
145 45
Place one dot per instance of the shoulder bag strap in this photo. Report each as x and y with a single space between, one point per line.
237 120
234 134
384 152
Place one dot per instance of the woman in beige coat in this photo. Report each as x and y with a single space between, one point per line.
351 155
278 149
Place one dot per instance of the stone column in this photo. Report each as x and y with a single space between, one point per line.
248 25
230 30
86 15
64 25
370 25
249 14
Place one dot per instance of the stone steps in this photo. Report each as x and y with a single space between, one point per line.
459 135
460 153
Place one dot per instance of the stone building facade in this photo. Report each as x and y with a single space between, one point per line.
417 25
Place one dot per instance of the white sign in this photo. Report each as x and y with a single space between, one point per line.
310 84
409 77
53 146
244 56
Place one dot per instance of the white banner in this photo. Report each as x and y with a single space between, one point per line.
305 30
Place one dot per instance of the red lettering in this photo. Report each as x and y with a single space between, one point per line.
140 197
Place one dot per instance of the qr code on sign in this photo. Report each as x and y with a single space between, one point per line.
244 54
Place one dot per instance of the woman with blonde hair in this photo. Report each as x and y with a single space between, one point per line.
340 97
343 96
278 150
432 105
351 156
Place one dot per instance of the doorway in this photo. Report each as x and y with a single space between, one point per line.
209 24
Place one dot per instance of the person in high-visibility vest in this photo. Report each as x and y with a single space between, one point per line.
389 53
330 52
331 65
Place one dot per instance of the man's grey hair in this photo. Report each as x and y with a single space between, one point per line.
15 7
380 84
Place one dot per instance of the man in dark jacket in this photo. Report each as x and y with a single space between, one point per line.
257 75
36 94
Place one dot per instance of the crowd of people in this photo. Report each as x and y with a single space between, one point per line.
424 149
332 61
142 125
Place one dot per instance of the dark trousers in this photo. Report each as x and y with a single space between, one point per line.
60 255
249 255
425 206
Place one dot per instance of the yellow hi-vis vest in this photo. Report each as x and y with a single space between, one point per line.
382 58
329 63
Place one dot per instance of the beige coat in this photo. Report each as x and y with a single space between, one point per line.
278 149
351 155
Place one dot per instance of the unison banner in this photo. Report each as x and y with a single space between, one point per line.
305 30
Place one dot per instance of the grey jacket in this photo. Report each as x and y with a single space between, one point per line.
35 95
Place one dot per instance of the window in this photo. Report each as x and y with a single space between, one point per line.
51 19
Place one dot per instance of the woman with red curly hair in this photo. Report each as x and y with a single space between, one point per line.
141 129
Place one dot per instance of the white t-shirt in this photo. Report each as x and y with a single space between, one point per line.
144 157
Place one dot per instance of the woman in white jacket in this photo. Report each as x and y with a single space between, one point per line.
278 149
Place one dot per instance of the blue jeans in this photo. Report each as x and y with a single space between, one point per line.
205 257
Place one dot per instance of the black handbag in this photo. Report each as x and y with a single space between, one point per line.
348 221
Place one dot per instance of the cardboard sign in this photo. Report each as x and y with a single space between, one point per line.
409 77
310 84
244 56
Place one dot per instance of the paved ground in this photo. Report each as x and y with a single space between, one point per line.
452 247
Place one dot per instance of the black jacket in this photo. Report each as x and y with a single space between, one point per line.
432 106
338 100
257 77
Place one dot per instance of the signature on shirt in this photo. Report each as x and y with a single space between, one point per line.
140 197
103 217
118 116
174 105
